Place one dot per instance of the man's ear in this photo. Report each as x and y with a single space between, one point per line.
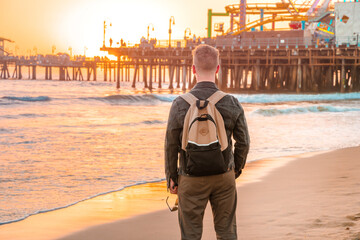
193 68
217 68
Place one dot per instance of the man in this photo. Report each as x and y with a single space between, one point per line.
194 192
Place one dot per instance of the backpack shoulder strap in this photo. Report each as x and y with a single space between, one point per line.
221 131
189 98
217 96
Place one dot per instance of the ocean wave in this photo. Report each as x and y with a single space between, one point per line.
278 98
151 122
154 99
165 97
135 99
28 99
146 99
25 115
7 143
82 200
147 122
5 103
300 110
4 130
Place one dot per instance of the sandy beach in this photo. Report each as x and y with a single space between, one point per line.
310 196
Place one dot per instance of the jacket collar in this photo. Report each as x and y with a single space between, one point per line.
205 84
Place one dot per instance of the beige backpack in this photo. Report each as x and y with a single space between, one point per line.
204 136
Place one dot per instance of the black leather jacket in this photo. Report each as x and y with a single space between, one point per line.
235 125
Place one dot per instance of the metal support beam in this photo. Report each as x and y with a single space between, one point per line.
210 15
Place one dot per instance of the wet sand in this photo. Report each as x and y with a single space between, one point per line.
310 196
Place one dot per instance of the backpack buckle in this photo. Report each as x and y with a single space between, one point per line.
201 104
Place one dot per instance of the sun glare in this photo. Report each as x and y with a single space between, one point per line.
78 25
83 26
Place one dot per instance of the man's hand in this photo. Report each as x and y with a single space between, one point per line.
173 187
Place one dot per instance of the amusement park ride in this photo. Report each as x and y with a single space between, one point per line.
315 16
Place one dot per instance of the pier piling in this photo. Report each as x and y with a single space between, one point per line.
33 72
261 69
343 76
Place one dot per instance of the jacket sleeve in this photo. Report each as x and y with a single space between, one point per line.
172 144
242 142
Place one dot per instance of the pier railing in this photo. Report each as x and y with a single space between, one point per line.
174 43
348 40
272 42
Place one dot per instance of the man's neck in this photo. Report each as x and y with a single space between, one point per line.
205 81
205 78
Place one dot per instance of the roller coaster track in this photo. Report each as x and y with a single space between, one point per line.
307 7
287 10
320 17
293 7
269 8
313 6
306 4
267 20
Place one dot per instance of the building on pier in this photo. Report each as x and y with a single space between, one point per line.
347 23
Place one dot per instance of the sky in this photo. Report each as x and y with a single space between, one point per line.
38 26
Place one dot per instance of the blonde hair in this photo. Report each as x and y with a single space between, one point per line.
205 58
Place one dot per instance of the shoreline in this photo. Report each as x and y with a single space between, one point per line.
135 202
155 90
79 201
315 196
160 181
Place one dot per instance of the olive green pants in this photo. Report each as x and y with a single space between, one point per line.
194 194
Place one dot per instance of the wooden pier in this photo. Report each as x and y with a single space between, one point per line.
84 70
13 68
266 69
251 69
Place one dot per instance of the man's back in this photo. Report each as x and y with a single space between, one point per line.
194 192
234 120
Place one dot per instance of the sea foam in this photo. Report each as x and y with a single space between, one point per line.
127 99
299 110
278 98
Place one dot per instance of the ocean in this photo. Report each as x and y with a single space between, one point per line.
65 142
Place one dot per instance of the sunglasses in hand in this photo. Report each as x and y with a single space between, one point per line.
175 207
